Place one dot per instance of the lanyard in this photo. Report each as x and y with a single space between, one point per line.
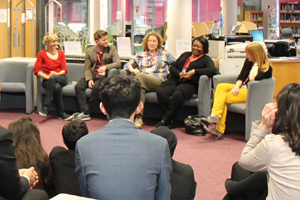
248 75
99 58
188 62
150 59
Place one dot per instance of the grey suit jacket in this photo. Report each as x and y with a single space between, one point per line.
110 60
121 161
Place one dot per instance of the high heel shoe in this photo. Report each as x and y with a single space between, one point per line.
212 130
211 120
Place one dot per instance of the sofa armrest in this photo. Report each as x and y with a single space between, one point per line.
204 95
223 79
29 88
259 94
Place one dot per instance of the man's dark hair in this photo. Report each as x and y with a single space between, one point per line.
98 34
120 96
73 131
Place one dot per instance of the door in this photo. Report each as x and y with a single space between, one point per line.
23 28
4 28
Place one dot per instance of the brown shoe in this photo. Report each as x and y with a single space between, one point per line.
138 122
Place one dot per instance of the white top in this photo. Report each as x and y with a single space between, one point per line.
268 152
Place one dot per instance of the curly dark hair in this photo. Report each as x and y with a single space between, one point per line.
287 122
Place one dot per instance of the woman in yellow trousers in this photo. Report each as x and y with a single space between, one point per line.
256 67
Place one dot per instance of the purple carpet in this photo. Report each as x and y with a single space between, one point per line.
210 159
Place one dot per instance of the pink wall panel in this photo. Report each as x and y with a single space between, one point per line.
210 10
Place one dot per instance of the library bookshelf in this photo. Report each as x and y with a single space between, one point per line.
289 14
256 17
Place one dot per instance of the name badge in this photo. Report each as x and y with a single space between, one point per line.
148 70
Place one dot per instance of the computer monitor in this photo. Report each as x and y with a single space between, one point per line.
258 35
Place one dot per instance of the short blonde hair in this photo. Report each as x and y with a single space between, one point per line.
49 37
146 38
260 57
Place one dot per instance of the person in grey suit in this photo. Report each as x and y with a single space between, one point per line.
98 61
120 161
182 179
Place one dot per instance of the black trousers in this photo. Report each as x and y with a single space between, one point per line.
53 87
80 88
246 185
32 194
170 98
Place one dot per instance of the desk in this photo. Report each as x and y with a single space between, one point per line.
285 71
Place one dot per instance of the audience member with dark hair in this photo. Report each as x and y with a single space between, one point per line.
183 184
29 150
16 184
62 160
120 161
246 185
274 145
150 67
183 80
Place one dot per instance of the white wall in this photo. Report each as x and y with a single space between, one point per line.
179 20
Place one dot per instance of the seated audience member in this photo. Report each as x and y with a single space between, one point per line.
120 161
51 65
16 184
98 61
182 179
62 160
256 67
150 67
29 150
184 80
274 145
246 185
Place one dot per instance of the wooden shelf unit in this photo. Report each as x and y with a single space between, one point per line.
256 17
289 13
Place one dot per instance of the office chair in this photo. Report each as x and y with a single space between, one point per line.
281 48
287 33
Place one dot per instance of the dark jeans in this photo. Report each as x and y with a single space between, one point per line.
80 88
53 87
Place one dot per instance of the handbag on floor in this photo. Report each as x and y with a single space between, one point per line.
194 126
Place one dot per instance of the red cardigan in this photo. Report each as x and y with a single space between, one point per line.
47 64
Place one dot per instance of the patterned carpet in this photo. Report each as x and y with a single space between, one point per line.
210 159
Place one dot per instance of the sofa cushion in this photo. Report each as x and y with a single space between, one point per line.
237 108
151 97
13 87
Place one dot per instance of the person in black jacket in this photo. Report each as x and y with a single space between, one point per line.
256 67
183 80
182 179
16 184
62 160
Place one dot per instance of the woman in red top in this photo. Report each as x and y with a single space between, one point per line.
51 66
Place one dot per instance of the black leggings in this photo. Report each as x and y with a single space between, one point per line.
246 185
